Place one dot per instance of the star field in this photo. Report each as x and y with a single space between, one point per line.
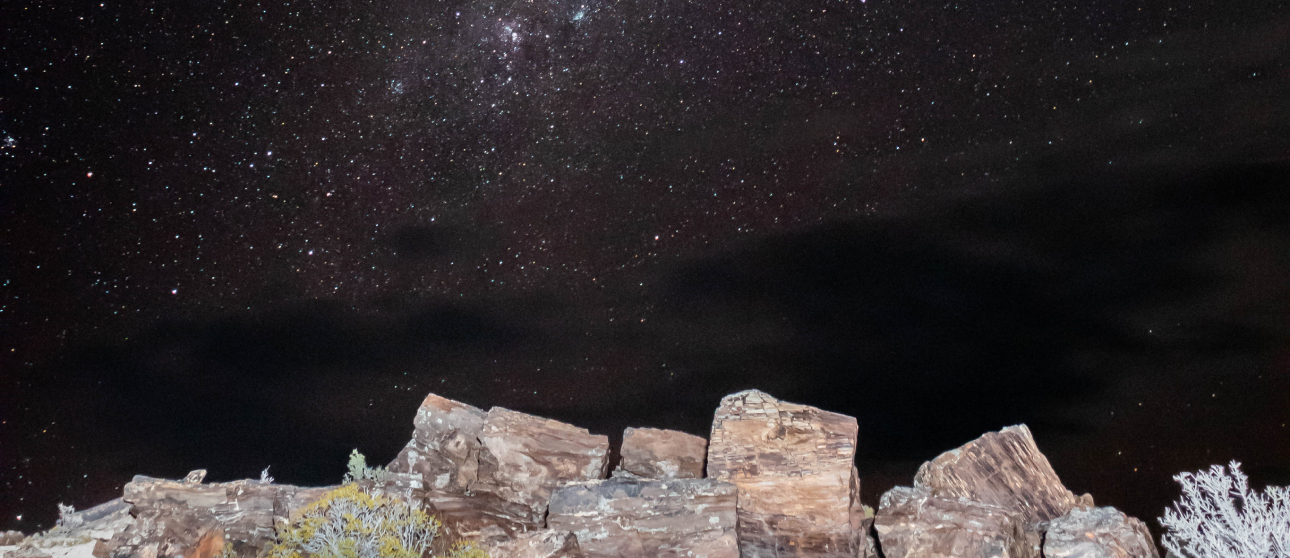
280 224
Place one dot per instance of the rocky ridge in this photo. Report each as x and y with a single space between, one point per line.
774 479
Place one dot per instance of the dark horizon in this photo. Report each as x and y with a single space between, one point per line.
230 250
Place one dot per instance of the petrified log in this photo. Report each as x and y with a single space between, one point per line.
650 453
912 523
525 457
536 544
177 518
444 447
793 465
632 518
1002 468
1098 533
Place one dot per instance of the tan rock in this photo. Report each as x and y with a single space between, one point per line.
445 445
634 518
1002 468
912 523
536 544
793 465
525 457
650 453
1098 533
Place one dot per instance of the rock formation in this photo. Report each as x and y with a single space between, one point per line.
535 544
444 448
781 483
1098 533
650 453
912 523
630 518
793 465
1002 468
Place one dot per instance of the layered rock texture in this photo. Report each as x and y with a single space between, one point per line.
632 518
794 466
780 482
650 453
912 523
1098 533
1003 468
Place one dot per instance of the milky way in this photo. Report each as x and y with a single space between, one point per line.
237 234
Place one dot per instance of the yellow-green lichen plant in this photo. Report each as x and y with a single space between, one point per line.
352 523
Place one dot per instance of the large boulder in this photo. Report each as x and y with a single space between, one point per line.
445 445
793 465
523 458
187 518
1002 468
535 544
1098 533
912 523
630 518
650 453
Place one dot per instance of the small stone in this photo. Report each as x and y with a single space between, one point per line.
1098 533
912 523
650 453
195 477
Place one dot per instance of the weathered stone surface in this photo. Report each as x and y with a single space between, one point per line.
1002 468
535 544
793 466
177 518
912 523
11 538
76 534
1098 533
525 457
445 445
479 517
634 518
650 453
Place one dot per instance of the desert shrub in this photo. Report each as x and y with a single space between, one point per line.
350 523
358 469
1218 516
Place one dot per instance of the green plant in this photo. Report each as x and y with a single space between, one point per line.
350 523
358 469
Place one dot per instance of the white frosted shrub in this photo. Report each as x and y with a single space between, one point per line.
1219 517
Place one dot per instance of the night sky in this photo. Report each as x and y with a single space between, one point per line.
241 234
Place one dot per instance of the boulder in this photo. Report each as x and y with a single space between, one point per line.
535 544
523 458
633 518
186 518
445 445
1002 468
11 538
912 523
793 465
650 453
1098 533
76 535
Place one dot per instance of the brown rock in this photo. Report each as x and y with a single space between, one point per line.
1098 533
445 445
210 545
525 457
1002 468
650 453
793 466
536 544
173 518
11 538
633 518
478 517
911 523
